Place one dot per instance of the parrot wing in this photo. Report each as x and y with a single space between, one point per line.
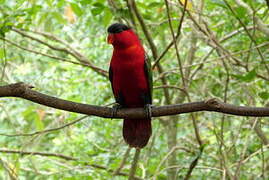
148 73
118 98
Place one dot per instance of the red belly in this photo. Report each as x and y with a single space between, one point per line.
129 80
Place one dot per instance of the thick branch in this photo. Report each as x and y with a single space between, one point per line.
25 91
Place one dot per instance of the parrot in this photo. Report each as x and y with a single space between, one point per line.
131 81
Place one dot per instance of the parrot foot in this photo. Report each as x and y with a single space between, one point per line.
115 108
148 108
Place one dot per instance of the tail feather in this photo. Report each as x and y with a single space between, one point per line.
136 132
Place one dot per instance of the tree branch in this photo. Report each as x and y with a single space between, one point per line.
267 2
46 130
260 24
80 57
46 55
123 161
134 164
25 91
67 158
153 47
248 33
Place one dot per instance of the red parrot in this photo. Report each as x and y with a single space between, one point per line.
131 81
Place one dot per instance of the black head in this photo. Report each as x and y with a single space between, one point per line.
117 28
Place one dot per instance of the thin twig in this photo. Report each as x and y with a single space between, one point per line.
174 38
67 158
123 161
151 44
249 35
267 2
46 130
134 164
4 61
163 160
75 54
194 163
170 86
48 55
38 153
144 28
157 61
251 155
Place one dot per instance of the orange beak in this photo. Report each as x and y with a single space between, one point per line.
110 39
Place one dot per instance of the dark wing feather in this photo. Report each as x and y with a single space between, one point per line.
119 99
110 75
148 73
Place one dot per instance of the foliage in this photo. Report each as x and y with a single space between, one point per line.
223 48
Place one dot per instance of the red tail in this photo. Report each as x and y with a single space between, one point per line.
136 132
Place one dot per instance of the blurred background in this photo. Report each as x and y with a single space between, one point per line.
60 48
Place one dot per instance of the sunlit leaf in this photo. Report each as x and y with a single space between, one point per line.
2 53
107 17
76 9
59 17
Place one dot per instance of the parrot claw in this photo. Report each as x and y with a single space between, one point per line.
148 108
115 108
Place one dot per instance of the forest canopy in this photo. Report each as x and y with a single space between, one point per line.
200 50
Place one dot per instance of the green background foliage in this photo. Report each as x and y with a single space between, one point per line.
225 55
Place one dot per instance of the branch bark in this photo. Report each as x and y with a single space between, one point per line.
25 91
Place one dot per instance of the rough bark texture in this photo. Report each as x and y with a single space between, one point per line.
25 91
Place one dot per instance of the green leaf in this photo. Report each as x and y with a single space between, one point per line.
96 11
98 8
48 25
39 124
122 13
247 77
59 17
219 3
29 11
98 5
42 18
76 9
85 2
154 4
107 17
2 53
264 95
32 116
49 3
241 12
250 75
4 29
